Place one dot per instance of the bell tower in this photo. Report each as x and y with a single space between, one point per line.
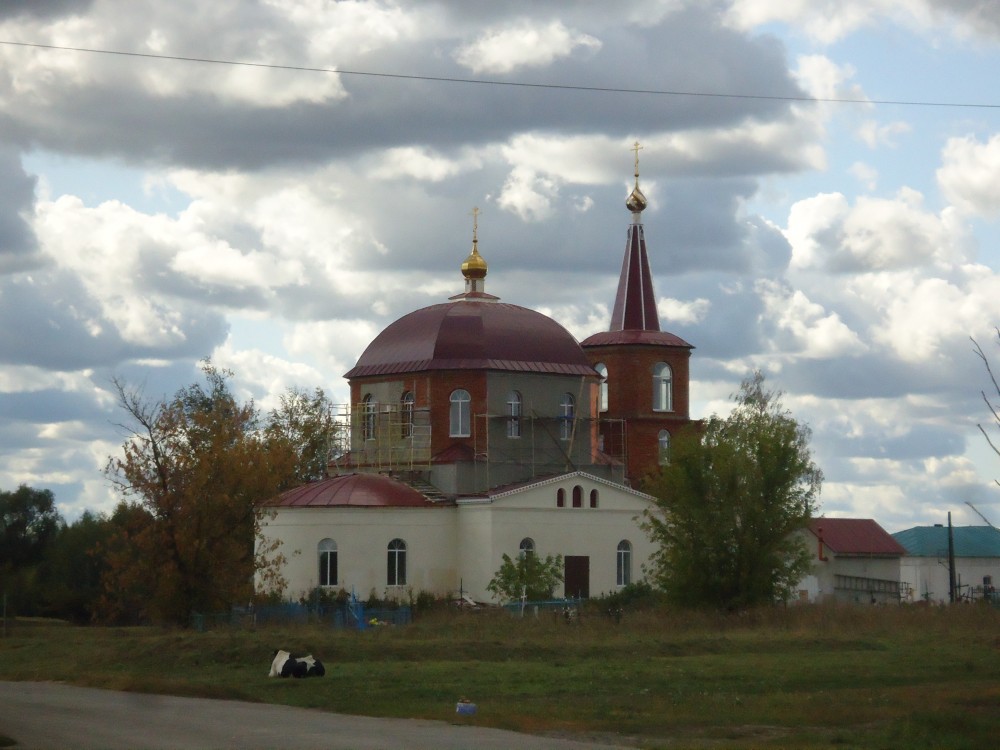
645 371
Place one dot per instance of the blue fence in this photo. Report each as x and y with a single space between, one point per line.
349 615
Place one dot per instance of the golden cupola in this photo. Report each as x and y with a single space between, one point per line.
636 201
474 268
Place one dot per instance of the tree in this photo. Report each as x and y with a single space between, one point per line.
307 425
529 576
195 474
730 502
29 522
69 577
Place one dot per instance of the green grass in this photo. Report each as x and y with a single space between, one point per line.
811 677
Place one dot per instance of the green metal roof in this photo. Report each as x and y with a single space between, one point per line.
932 541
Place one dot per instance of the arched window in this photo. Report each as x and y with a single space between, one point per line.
406 415
593 498
527 546
327 562
560 498
663 387
461 414
513 414
624 577
369 412
602 398
396 571
664 449
577 496
567 409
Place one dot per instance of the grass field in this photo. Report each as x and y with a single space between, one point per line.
808 677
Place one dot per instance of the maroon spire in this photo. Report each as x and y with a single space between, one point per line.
635 303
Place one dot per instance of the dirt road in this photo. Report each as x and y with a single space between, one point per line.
44 716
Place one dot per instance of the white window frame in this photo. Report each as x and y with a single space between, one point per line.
460 422
602 393
567 413
663 387
623 575
514 410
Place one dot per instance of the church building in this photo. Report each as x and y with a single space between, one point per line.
480 428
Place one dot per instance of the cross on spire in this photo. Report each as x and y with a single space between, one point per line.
475 222
636 148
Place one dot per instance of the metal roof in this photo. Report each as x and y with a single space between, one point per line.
470 334
635 303
354 491
649 338
855 536
932 541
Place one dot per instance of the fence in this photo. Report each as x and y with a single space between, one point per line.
348 615
568 608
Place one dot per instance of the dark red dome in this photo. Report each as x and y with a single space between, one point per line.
473 335
355 491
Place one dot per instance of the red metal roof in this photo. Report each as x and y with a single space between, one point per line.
650 338
635 303
473 335
855 536
355 491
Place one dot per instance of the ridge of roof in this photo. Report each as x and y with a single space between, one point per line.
855 536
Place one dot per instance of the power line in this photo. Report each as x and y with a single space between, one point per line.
517 84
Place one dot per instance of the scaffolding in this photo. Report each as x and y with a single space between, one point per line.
396 439
385 437
546 444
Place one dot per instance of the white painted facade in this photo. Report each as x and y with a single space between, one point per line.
461 546
928 576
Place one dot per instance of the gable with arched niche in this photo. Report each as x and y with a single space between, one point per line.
595 517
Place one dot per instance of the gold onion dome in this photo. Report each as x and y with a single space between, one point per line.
636 202
474 266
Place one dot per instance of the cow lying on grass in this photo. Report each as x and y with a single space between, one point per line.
286 665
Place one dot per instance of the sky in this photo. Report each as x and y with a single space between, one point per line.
823 180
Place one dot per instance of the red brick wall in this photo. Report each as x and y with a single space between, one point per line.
630 397
432 391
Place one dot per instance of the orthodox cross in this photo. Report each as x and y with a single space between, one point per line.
637 148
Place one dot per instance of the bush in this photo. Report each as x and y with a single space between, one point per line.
529 576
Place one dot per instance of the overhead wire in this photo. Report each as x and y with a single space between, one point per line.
517 84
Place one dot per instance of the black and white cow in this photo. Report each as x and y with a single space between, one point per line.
286 665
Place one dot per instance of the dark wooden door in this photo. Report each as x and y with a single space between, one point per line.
576 576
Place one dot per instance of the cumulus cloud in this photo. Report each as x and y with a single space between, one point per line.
804 328
673 310
18 244
874 234
522 44
827 21
970 173
875 134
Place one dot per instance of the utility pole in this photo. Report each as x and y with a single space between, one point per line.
951 562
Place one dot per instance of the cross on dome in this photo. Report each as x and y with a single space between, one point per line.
636 201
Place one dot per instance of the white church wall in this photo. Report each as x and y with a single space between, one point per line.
532 513
362 536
